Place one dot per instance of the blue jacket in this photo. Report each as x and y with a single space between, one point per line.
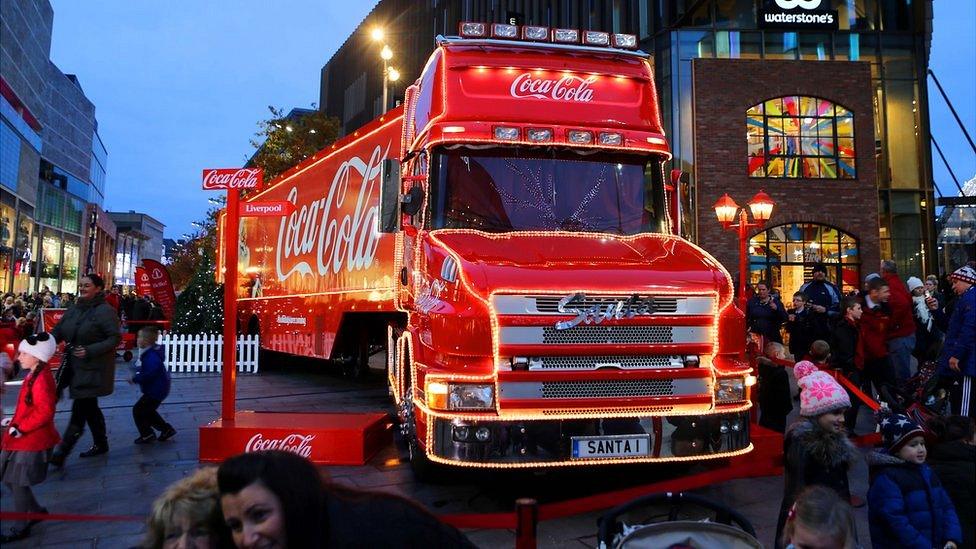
908 507
151 373
960 338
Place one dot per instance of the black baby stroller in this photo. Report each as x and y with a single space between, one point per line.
729 529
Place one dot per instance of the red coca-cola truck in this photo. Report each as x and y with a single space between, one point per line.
509 237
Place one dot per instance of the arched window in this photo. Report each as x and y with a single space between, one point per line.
800 137
785 255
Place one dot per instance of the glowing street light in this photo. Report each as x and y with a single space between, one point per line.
393 74
726 209
376 34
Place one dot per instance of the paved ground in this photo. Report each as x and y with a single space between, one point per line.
129 477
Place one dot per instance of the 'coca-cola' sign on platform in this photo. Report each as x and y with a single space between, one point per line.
294 443
219 179
569 88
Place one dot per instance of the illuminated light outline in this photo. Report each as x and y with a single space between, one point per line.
312 294
537 70
585 462
634 146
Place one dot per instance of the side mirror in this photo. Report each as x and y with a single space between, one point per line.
389 218
412 201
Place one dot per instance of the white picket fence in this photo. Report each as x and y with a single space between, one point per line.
204 352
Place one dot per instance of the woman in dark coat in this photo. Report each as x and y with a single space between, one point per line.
90 331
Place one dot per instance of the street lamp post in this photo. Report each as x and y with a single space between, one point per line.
390 74
726 209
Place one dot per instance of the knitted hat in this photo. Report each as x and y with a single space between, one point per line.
897 430
819 392
914 282
965 274
871 277
42 346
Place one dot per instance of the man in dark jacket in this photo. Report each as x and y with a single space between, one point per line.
824 302
140 312
847 354
90 331
765 314
957 362
901 330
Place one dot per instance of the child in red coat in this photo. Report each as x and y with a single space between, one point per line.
30 435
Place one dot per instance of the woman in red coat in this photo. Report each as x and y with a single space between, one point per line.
29 436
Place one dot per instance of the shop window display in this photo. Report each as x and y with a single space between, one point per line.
785 255
800 137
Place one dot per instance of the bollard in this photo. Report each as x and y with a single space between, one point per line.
527 520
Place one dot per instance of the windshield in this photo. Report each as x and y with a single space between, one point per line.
513 190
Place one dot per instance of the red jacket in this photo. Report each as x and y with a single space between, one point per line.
35 421
902 322
873 335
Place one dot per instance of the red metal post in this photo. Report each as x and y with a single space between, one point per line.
744 226
229 377
527 521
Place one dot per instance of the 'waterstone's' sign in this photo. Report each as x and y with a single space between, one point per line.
798 14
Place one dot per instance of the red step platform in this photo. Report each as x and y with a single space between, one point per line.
325 438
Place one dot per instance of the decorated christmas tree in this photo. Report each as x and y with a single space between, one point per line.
200 307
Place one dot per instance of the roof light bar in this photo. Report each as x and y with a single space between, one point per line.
469 29
501 30
624 41
594 38
566 36
537 34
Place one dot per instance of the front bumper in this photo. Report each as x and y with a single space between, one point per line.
549 442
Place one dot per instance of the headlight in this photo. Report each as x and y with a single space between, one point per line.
731 389
460 396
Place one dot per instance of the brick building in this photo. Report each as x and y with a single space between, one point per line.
830 118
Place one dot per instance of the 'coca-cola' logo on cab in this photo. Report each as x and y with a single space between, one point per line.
232 178
294 443
570 88
333 233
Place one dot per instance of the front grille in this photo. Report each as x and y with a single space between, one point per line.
550 304
607 335
606 361
608 388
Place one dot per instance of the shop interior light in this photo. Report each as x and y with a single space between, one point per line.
501 30
539 134
625 41
473 30
595 38
610 138
566 36
506 133
580 137
539 34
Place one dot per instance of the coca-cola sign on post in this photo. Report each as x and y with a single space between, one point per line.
220 179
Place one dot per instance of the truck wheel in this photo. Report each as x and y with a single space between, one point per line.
423 468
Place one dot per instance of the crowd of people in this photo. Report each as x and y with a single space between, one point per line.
905 344
908 348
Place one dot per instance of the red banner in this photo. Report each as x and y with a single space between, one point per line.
269 208
161 286
142 282
219 179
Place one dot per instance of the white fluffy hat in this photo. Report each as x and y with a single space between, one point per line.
42 346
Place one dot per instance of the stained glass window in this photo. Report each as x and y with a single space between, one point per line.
800 137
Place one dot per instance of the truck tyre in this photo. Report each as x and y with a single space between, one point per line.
422 467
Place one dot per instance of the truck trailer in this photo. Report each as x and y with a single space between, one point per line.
510 236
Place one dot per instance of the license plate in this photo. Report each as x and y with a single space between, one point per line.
611 446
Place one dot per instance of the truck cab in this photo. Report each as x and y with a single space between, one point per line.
553 315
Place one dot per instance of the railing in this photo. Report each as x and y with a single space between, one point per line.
202 352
